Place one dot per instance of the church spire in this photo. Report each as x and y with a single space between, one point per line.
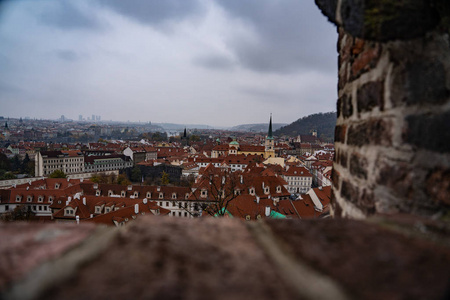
270 134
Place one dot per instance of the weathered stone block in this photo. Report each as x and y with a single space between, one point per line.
438 185
384 20
374 131
358 166
342 158
339 133
335 178
426 83
398 177
349 192
366 61
371 95
329 8
431 132
344 106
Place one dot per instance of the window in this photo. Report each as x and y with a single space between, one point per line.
29 198
161 195
18 198
122 194
149 195
40 199
174 195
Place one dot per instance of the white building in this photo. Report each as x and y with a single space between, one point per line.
69 162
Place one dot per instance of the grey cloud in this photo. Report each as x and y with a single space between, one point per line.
68 16
7 88
154 12
264 94
287 36
214 62
67 55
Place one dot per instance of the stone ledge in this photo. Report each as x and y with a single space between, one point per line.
170 258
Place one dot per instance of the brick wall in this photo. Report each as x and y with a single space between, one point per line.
393 128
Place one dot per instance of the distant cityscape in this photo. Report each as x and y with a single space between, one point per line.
144 167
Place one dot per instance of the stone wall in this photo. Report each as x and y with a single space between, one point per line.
393 129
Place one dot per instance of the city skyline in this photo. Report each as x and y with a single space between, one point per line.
175 61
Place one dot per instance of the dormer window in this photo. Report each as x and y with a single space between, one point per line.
122 193
98 209
136 194
29 198
149 195
237 192
18 198
56 186
266 190
204 193
161 195
174 195
107 209
97 193
278 189
69 211
40 199
247 217
50 199
251 191
110 193
186 196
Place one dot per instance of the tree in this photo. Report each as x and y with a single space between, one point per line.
213 191
136 174
123 180
20 213
57 174
165 178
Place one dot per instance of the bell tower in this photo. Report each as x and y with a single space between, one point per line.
269 144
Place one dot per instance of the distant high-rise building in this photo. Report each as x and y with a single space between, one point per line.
80 118
63 118
93 118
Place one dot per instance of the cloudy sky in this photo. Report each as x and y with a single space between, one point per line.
216 62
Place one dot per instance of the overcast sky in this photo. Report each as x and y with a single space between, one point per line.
215 62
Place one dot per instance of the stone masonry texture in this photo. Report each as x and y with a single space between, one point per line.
169 258
393 109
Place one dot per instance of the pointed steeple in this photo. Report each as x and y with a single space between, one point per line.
185 134
270 134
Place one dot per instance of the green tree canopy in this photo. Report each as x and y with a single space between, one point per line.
58 174
165 178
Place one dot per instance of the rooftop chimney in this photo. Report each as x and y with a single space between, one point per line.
78 219
136 208
144 201
267 211
257 199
